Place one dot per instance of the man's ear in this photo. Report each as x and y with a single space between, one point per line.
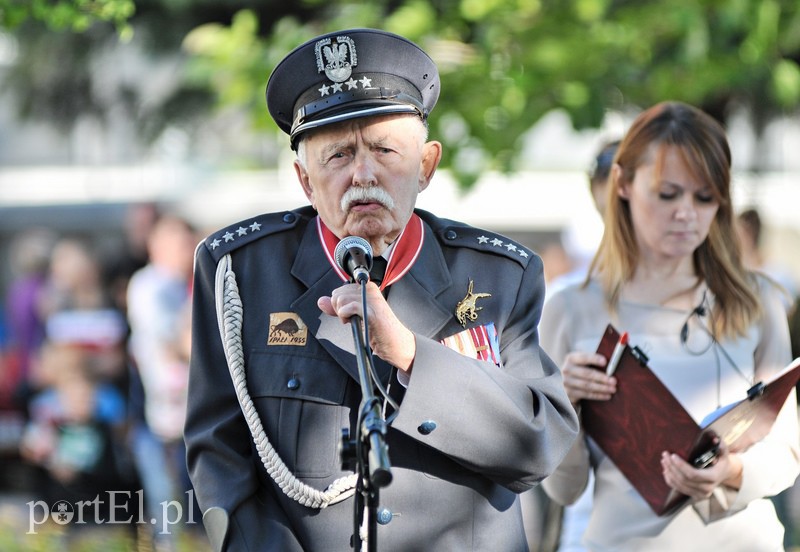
305 182
431 156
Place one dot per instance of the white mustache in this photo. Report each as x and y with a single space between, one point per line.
358 194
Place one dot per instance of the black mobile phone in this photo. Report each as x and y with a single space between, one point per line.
705 459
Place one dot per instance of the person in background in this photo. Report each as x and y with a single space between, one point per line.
476 412
158 307
74 279
597 176
550 526
666 262
137 223
29 259
76 431
576 516
749 230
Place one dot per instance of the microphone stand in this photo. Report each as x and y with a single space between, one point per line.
371 452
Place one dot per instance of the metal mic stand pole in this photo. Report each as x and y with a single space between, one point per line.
372 458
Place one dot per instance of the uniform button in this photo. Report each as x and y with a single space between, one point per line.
384 516
427 427
289 218
450 235
293 384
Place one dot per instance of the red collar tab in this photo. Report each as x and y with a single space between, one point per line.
402 257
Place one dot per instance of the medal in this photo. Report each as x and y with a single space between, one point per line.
466 309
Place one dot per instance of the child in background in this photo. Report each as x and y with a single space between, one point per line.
75 424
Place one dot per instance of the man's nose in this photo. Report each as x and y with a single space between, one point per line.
364 171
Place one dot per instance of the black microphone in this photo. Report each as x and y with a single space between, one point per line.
700 311
354 256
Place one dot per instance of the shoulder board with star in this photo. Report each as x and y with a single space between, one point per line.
239 234
463 235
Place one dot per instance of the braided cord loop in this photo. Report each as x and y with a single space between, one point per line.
229 319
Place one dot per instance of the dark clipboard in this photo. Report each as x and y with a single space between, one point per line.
643 419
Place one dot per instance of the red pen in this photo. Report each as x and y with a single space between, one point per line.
613 362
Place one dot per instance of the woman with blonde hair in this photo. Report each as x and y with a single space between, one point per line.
668 271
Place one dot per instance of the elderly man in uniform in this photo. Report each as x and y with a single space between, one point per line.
481 414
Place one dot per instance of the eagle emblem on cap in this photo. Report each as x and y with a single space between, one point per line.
339 57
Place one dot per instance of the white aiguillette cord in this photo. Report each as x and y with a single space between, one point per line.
229 319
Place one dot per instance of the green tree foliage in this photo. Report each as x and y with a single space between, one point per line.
98 62
505 63
75 15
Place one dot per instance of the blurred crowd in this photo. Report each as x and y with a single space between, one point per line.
94 355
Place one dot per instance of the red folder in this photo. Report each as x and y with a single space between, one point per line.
643 419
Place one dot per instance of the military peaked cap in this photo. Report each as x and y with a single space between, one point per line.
348 74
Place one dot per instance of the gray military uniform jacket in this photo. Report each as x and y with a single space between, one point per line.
469 435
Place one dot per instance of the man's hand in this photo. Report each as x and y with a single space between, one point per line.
388 337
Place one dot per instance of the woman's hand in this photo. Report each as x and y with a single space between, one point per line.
582 381
698 483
